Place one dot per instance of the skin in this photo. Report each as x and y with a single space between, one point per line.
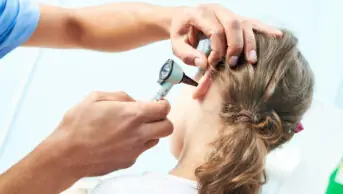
104 133
195 127
123 26
108 131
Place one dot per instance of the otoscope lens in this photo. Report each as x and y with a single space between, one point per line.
165 71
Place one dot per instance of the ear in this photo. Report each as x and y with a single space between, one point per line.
203 87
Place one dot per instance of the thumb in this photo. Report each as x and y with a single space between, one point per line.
188 54
153 111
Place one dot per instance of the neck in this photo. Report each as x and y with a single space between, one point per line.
188 162
200 131
200 134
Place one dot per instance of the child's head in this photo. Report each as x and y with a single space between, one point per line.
246 112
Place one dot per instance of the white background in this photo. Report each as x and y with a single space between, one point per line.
38 85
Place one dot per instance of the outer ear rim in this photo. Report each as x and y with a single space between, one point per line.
204 85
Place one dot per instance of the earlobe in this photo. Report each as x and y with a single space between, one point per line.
203 87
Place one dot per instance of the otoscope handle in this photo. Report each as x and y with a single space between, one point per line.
163 91
205 46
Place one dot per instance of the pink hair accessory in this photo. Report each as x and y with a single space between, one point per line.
299 128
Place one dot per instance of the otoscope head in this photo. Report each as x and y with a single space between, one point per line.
172 73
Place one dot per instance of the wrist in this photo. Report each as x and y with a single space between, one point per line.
160 18
52 158
42 171
169 13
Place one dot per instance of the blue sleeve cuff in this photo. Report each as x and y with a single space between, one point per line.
18 21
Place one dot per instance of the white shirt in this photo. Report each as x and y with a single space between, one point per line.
148 183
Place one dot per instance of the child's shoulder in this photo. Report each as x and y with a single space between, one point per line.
151 183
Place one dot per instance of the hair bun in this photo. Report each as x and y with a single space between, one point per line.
245 116
267 127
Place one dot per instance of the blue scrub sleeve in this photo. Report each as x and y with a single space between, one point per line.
18 20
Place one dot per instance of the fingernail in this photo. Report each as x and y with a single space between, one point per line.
278 32
233 60
200 63
252 56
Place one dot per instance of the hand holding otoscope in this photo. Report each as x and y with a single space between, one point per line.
171 73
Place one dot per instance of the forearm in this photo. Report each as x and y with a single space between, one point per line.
123 26
111 27
42 171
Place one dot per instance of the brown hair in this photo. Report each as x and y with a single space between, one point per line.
262 105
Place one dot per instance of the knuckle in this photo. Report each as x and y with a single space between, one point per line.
122 95
219 31
214 5
246 23
253 21
209 6
95 95
201 12
236 46
234 24
189 13
140 111
202 7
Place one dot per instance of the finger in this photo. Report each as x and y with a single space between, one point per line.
264 28
235 41
157 130
233 32
194 37
234 35
150 144
109 96
152 111
203 87
207 22
249 43
187 53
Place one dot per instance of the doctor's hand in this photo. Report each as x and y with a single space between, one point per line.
229 33
108 131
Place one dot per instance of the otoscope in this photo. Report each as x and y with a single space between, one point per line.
171 73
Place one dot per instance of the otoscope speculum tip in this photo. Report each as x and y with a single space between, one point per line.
189 81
